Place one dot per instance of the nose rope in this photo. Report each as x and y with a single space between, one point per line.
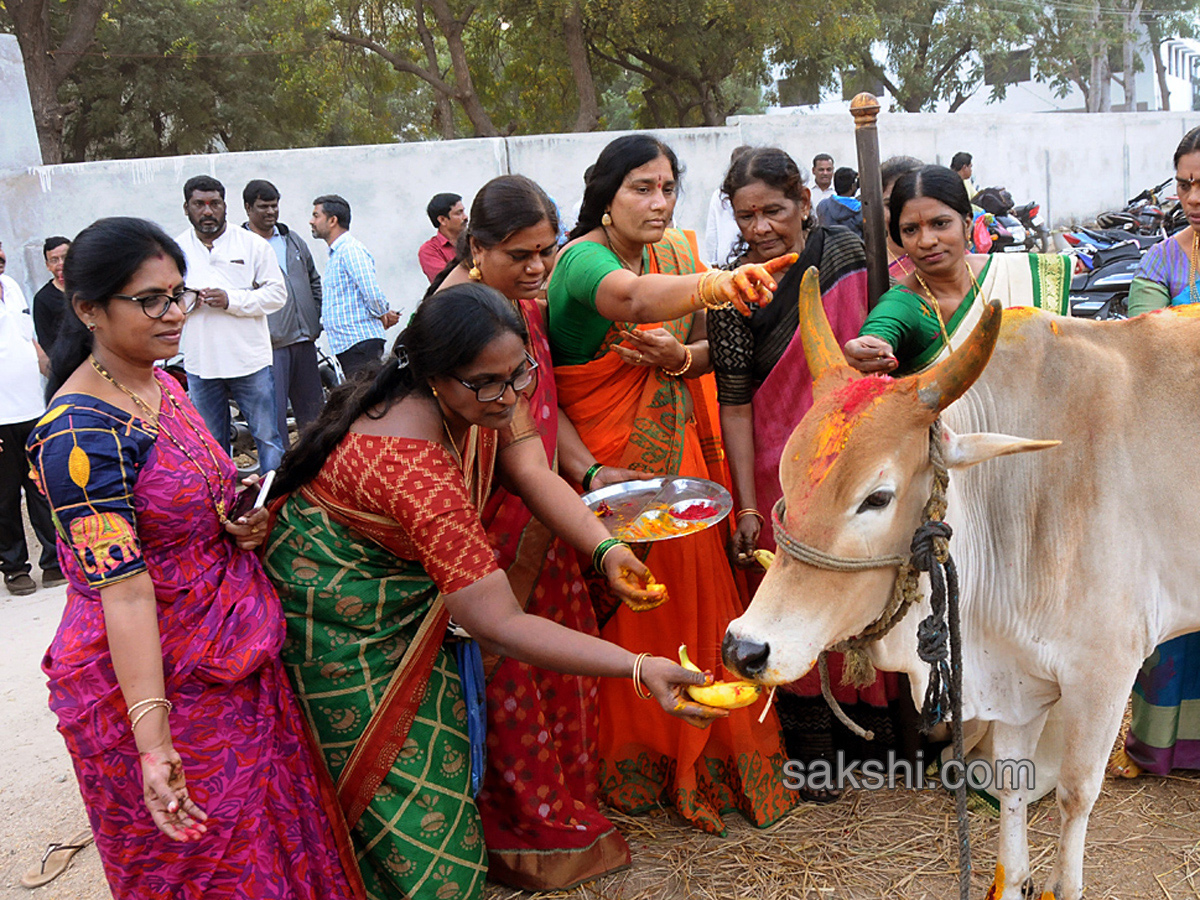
929 552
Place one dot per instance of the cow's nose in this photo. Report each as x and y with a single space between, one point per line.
746 658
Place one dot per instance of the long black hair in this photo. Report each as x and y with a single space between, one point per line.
616 161
445 335
503 206
936 182
103 258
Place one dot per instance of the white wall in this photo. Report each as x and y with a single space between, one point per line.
18 134
1076 165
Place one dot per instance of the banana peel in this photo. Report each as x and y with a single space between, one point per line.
721 694
764 558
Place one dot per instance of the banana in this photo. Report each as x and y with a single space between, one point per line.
764 558
722 694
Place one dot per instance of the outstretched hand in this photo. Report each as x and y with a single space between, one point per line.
870 354
165 789
752 283
668 681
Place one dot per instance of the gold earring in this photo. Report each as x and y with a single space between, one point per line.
475 274
606 220
432 388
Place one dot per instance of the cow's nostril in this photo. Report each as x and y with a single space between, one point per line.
747 658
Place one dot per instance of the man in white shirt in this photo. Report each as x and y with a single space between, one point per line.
721 233
20 407
822 171
226 342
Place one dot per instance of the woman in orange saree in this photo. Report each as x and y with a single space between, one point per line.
639 398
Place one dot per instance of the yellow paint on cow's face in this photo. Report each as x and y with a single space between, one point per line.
1054 328
996 891
1048 895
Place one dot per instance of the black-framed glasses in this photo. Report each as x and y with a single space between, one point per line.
491 391
156 305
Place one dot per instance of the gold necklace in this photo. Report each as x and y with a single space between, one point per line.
213 494
620 258
453 444
1195 261
937 309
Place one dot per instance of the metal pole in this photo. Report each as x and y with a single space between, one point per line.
865 109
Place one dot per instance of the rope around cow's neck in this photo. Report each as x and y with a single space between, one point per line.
930 552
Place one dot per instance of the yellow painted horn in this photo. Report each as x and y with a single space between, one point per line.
821 347
949 379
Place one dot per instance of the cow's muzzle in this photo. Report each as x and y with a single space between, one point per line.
745 658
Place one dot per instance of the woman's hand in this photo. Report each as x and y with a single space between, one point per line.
751 283
652 347
165 789
612 475
745 541
631 580
870 354
667 682
249 530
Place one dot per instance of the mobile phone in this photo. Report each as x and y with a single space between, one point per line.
252 497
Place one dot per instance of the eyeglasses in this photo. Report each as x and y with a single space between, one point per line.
491 391
156 305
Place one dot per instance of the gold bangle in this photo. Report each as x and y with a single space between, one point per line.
129 712
707 292
608 550
749 511
638 687
687 364
163 704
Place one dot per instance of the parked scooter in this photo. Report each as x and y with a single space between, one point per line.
1014 229
1150 213
1106 263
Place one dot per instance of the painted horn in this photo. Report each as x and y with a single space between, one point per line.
941 385
821 347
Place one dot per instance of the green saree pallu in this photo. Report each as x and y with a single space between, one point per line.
354 609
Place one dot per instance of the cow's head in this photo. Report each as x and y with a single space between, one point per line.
856 475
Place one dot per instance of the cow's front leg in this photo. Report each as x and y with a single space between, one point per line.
1012 746
1091 716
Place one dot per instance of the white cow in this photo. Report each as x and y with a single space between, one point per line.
1075 562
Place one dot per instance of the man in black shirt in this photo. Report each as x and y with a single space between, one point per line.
49 303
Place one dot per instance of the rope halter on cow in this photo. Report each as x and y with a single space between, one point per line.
938 636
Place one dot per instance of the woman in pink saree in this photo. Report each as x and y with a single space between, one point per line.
191 754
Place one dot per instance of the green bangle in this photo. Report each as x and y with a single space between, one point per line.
601 551
591 473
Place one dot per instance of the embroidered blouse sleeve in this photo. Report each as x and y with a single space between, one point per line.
427 498
87 463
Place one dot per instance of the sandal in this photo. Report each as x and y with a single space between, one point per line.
55 860
820 795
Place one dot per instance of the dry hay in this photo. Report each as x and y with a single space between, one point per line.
1143 843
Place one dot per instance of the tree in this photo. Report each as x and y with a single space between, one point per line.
701 61
52 35
394 30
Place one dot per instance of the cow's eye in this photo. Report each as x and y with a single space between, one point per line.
876 500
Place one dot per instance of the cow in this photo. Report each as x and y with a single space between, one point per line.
1076 559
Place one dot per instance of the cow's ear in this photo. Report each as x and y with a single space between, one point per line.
963 450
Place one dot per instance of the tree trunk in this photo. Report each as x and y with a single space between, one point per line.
1160 69
1131 23
47 67
581 68
452 29
443 111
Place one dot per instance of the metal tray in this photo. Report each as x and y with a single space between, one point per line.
641 510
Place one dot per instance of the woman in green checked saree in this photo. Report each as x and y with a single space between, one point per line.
377 542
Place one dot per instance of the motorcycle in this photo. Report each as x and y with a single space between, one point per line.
1150 213
1106 261
1014 229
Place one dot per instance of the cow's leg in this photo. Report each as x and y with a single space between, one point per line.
1013 744
1091 715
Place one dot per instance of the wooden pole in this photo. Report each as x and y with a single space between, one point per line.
865 109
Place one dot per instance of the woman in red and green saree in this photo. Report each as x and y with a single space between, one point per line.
627 333
377 543
545 830
193 757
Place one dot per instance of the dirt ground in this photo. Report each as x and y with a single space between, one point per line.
1144 840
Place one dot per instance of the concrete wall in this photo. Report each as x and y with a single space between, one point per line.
1076 165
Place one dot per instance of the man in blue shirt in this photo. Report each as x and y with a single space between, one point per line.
355 312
